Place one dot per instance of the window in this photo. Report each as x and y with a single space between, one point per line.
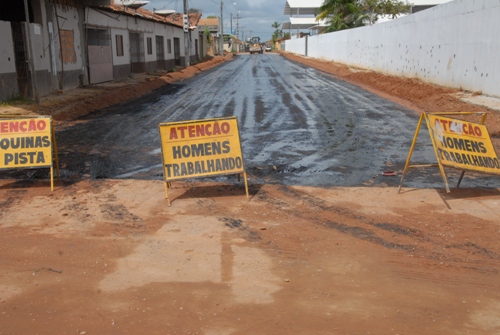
169 46
119 45
150 45
98 37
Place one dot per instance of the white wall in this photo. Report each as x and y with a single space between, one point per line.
7 57
68 18
125 59
122 24
456 44
192 47
297 46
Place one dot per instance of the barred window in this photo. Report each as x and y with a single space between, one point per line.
98 37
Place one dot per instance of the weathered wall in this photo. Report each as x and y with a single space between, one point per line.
122 24
59 53
8 76
455 44
58 38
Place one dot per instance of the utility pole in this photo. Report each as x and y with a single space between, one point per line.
221 30
31 63
237 32
186 33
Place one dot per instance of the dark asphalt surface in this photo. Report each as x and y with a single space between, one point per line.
298 126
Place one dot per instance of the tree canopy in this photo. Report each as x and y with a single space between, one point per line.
345 14
277 31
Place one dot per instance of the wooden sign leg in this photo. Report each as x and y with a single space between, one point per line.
56 159
166 185
51 178
246 184
410 153
445 178
460 179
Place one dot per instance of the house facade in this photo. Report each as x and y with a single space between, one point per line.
211 27
64 44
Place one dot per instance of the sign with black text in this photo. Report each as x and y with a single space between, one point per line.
26 143
201 148
463 145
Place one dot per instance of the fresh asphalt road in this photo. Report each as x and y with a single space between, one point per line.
298 126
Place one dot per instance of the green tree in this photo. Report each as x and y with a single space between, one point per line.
340 14
392 8
346 14
208 36
277 31
276 26
194 10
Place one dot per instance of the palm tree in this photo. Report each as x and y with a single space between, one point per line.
277 31
276 26
345 14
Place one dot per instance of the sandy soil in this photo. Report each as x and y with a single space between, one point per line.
111 257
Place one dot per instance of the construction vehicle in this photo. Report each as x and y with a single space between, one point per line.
255 46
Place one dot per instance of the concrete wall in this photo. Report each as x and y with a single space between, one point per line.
8 75
70 74
195 40
45 48
456 45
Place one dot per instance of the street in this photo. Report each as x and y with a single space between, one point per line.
298 126
324 245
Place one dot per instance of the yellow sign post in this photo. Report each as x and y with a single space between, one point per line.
457 144
201 148
28 142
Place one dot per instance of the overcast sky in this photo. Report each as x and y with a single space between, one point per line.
255 16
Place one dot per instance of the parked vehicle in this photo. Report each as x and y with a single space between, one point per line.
268 48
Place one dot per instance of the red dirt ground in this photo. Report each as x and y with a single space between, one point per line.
111 257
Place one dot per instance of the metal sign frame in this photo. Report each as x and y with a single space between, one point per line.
440 164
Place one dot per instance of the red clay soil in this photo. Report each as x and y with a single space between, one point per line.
111 257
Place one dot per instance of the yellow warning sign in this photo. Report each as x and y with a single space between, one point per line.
457 144
201 148
462 145
26 143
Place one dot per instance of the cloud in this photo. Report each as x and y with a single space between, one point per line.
256 16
